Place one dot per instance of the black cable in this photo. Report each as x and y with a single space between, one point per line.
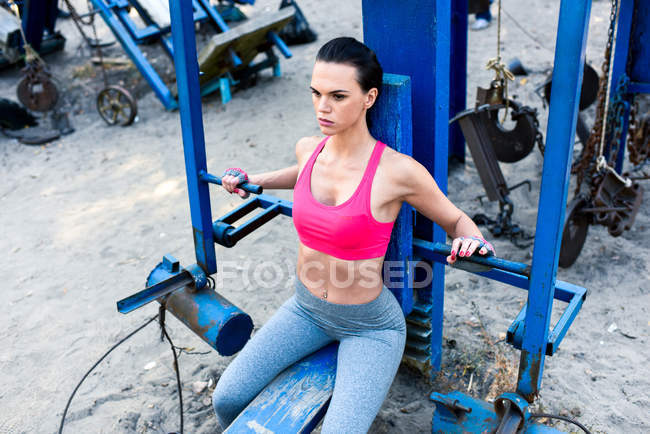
97 363
564 418
178 375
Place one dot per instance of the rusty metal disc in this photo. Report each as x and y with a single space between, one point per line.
37 93
116 106
575 231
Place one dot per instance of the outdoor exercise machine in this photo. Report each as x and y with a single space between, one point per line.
227 59
412 116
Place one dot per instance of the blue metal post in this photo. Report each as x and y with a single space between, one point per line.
189 97
640 49
391 123
413 38
458 76
619 68
563 112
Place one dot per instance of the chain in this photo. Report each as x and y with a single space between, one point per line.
76 17
615 119
638 139
539 137
587 165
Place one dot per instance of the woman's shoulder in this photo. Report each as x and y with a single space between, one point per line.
395 162
306 146
396 167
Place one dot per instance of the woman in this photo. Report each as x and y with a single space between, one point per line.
344 231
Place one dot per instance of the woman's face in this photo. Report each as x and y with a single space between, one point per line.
339 101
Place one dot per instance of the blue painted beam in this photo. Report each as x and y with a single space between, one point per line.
390 122
284 49
427 249
618 68
639 47
457 76
215 16
413 39
637 87
296 400
189 97
563 113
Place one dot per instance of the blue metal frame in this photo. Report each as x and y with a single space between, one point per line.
424 56
516 274
129 34
563 114
189 97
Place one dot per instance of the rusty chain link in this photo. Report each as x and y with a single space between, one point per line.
587 165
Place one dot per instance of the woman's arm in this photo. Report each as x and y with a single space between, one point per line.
421 191
277 179
286 178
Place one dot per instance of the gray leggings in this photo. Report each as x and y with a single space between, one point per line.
372 337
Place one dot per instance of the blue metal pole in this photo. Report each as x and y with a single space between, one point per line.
391 123
413 39
458 76
284 49
563 112
189 98
619 68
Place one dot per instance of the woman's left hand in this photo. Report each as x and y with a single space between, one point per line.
464 247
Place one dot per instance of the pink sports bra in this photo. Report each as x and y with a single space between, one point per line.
346 231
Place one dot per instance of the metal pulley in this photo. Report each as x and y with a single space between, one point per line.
36 90
116 106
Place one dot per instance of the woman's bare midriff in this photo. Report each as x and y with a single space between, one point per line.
346 282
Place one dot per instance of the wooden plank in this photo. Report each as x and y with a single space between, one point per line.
295 401
247 40
390 121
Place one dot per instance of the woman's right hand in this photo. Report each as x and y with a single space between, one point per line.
231 178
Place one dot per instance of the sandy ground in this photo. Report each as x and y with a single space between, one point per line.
85 218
